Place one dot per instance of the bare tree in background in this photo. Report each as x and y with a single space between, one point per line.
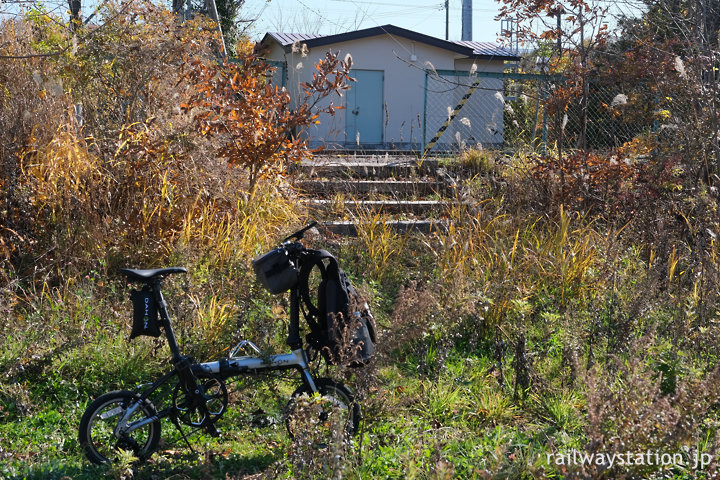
579 28
311 23
75 6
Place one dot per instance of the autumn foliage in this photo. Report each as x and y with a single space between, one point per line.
129 140
258 128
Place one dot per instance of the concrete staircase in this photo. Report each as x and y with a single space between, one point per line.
411 194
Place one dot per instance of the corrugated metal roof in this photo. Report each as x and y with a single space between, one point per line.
485 48
471 49
286 39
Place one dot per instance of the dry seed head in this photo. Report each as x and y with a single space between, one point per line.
620 99
680 68
460 141
430 66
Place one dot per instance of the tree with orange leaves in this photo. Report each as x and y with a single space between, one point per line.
252 118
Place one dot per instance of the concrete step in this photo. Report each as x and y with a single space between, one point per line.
335 167
349 228
415 207
388 187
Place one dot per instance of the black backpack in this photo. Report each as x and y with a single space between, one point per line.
342 328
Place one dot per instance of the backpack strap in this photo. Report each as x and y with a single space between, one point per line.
309 261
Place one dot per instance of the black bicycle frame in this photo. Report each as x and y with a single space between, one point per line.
187 370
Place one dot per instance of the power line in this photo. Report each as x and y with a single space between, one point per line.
319 14
438 6
336 14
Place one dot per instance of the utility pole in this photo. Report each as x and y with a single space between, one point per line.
467 20
560 10
447 19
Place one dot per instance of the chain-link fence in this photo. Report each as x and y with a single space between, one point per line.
521 111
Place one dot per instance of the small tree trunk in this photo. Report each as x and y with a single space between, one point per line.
584 101
75 6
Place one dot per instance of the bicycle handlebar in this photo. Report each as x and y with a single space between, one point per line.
300 234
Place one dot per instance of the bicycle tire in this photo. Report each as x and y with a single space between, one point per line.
99 421
337 395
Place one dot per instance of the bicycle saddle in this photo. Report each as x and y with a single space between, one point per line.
141 275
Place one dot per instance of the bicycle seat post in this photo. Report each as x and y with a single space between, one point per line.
165 319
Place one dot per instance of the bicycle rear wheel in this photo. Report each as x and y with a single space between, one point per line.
98 423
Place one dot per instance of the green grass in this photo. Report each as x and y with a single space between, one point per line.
413 427
441 402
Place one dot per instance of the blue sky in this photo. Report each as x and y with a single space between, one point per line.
334 16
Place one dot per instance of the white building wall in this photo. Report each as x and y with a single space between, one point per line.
403 62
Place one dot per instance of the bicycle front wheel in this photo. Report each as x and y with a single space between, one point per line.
333 415
97 428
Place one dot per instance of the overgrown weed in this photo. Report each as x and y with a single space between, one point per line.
379 243
573 305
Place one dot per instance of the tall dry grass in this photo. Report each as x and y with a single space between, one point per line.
101 169
381 245
493 264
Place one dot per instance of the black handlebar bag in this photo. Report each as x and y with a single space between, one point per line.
145 313
276 271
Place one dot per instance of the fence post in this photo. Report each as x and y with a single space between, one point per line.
424 126
537 114
453 114
545 115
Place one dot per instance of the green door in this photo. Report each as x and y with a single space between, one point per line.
364 114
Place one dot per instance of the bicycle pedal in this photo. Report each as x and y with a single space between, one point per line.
213 431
